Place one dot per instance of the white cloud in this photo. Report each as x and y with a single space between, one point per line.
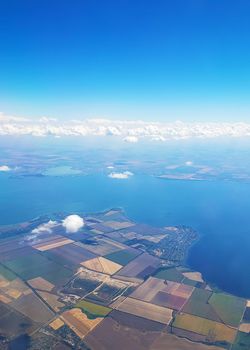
47 227
129 131
73 223
188 163
131 139
5 168
123 175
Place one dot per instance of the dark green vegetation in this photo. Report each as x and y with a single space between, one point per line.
93 310
228 307
171 274
242 341
122 257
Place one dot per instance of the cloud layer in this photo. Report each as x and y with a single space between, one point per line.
129 131
124 175
73 223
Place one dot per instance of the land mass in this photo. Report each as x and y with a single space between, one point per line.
113 283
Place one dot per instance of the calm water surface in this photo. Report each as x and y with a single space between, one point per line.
219 210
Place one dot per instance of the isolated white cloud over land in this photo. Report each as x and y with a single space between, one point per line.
4 168
73 223
47 227
128 131
121 176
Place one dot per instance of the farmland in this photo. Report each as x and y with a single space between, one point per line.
113 284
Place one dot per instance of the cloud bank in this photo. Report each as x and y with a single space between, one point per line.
4 168
124 175
73 223
129 131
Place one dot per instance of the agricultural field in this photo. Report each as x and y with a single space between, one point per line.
213 331
123 257
242 341
70 255
146 310
93 310
124 332
103 265
101 245
164 293
198 305
105 287
79 322
229 308
142 266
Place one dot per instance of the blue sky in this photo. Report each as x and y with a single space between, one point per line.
130 59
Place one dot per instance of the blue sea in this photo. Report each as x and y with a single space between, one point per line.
219 210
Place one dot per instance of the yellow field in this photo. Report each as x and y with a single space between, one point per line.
56 324
102 265
53 244
79 322
41 283
146 310
194 276
213 330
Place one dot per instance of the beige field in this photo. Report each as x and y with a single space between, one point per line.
4 299
56 324
245 327
41 283
13 293
79 322
52 300
194 276
146 310
102 265
214 330
52 244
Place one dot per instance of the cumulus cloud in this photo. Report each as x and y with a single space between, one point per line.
123 175
47 227
73 223
129 131
4 168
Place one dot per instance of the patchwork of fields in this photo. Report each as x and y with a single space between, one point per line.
101 289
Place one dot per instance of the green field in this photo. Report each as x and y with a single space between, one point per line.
6 273
228 307
242 341
93 310
122 257
198 305
170 274
214 331
34 265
